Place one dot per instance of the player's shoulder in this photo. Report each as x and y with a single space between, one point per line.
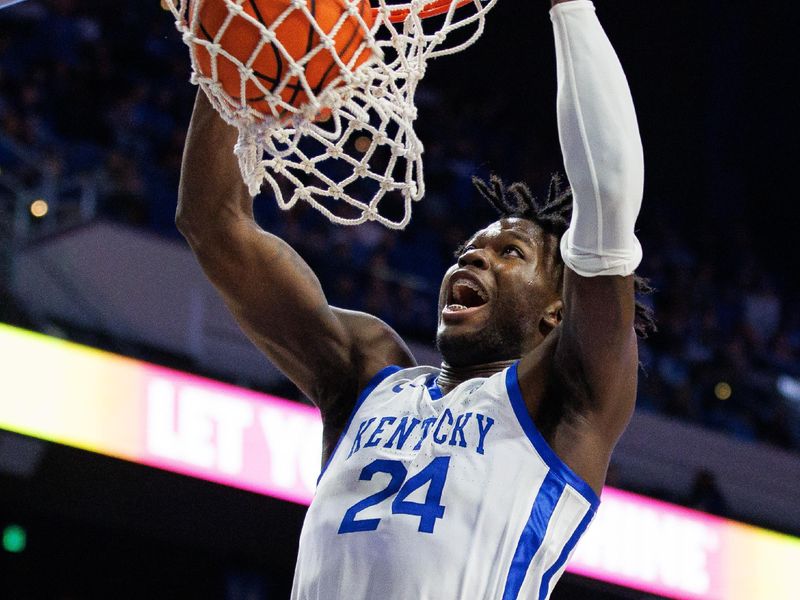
374 345
375 342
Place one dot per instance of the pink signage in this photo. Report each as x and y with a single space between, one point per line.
679 553
244 439
159 417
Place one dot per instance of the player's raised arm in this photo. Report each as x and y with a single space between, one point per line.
596 353
276 298
603 158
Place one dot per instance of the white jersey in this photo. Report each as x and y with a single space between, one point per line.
432 497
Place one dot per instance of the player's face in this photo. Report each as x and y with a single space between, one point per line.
492 299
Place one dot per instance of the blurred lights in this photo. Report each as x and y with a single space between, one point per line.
15 538
723 390
789 387
39 208
362 143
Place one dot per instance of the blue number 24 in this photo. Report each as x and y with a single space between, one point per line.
428 512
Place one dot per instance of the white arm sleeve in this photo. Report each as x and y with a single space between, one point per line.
600 144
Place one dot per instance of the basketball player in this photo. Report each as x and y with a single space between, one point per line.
477 479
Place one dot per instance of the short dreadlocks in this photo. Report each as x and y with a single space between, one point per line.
553 217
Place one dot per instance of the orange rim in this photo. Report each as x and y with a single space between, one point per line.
433 8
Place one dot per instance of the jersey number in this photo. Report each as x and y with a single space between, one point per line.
428 512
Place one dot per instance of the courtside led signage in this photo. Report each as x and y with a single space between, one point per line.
70 394
665 549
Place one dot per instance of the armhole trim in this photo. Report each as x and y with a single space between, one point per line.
370 387
557 466
433 387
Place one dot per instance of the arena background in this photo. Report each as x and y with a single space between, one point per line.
94 102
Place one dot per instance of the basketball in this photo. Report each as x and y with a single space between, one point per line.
242 37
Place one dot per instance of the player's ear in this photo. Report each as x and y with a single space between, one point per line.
551 316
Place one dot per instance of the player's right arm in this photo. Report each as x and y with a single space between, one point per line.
329 353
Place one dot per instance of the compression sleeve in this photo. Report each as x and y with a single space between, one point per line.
600 144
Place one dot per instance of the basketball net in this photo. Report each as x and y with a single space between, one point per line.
350 149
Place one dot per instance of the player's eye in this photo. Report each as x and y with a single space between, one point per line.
513 251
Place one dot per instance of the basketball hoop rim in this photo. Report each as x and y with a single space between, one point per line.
432 9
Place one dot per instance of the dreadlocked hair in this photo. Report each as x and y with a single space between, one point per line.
553 217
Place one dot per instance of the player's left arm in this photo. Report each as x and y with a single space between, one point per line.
595 359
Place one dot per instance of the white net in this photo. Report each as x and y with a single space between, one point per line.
322 93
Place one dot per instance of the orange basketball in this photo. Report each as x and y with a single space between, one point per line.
241 39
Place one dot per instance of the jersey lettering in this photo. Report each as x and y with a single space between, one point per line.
482 431
434 476
374 440
463 430
445 415
401 434
458 429
426 425
357 441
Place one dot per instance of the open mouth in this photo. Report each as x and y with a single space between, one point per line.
465 294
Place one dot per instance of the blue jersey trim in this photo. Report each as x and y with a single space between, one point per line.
550 457
565 552
533 533
373 383
432 384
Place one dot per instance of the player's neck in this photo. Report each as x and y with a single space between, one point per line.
450 377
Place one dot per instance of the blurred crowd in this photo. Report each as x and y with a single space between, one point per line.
99 92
